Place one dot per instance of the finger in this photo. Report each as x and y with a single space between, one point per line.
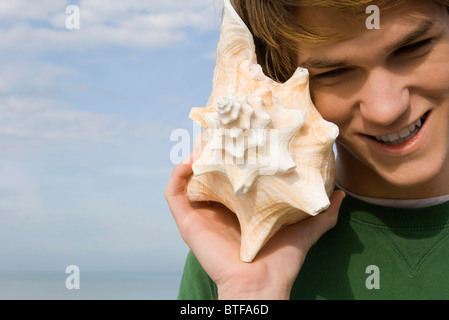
178 179
313 228
304 234
175 192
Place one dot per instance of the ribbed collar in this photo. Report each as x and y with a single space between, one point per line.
433 217
398 203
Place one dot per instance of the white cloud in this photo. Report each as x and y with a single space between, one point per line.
20 10
40 25
28 76
29 125
140 172
27 122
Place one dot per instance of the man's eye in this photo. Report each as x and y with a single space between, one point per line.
411 48
332 73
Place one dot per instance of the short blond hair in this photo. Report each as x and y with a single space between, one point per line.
276 31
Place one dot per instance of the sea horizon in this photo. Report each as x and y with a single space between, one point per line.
93 285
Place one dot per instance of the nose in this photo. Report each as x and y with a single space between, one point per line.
385 97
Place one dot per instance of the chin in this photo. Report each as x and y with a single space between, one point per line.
411 181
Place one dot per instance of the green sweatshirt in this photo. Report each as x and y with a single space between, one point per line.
374 252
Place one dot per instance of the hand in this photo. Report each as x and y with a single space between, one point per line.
213 234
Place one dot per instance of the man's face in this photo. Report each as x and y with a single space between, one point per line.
388 92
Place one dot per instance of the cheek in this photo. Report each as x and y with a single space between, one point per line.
433 76
333 108
439 77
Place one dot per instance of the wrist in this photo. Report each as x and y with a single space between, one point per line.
254 291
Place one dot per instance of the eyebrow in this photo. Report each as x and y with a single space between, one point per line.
325 63
422 29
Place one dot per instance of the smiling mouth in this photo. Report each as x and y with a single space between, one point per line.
403 135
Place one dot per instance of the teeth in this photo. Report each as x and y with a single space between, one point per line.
393 137
404 132
403 135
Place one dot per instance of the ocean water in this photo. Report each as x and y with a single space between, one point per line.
92 286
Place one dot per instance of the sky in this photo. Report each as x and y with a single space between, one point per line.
86 116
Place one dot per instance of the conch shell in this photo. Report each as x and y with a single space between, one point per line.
266 152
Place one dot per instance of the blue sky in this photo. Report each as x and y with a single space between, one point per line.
85 123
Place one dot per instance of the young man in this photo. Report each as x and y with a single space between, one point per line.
387 89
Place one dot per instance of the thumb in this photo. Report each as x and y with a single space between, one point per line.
313 228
